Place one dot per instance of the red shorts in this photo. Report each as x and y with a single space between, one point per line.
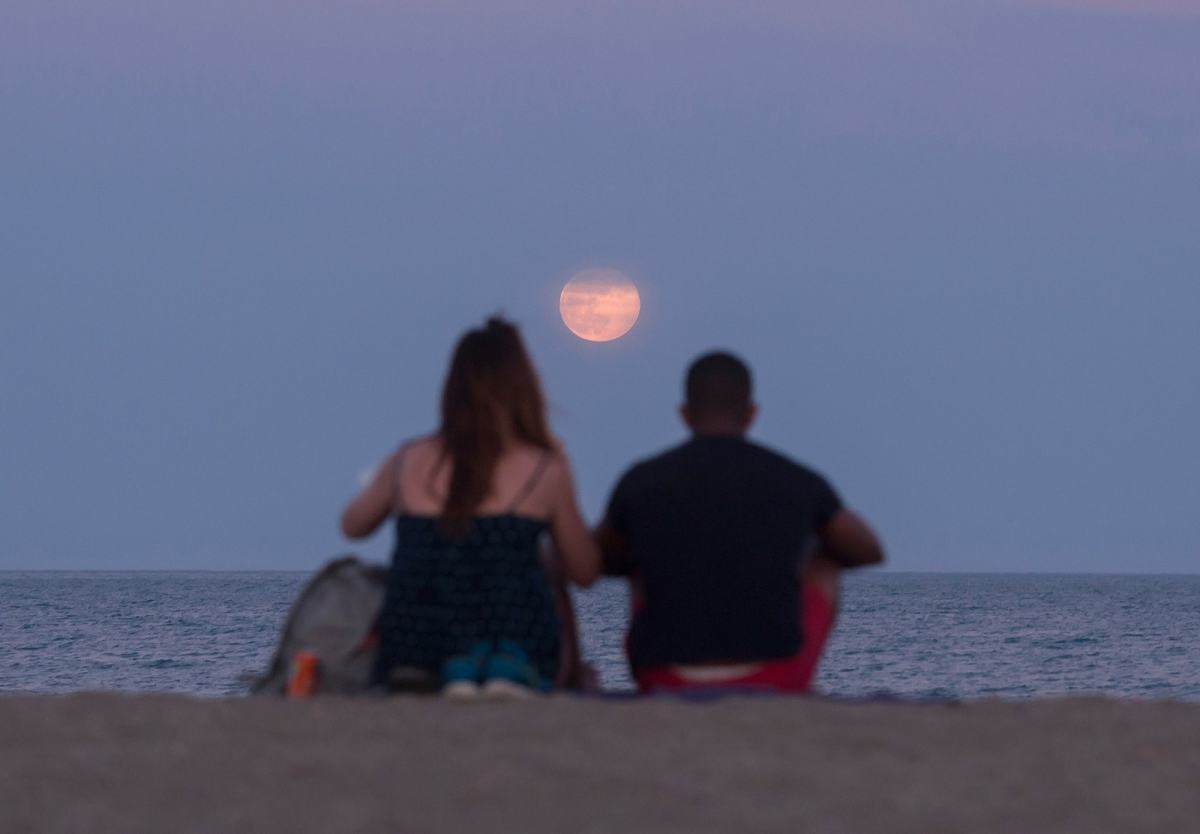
791 674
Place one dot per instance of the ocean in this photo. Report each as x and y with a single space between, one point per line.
898 634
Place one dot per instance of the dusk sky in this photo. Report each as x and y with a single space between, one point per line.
958 241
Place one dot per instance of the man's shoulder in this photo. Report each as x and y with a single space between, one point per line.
783 463
676 460
654 464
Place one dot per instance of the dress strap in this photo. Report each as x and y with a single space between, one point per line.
528 488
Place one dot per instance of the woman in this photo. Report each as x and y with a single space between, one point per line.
467 596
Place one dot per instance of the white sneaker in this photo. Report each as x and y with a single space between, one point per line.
501 689
461 691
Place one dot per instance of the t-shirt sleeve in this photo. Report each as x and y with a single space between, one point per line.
615 546
825 501
617 513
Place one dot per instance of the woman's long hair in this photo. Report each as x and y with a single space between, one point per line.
491 395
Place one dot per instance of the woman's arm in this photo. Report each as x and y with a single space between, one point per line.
573 671
370 507
572 539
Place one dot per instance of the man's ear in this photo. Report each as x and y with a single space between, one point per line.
685 415
751 415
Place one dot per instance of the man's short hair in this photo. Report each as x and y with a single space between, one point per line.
718 383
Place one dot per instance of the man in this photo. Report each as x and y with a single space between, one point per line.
733 550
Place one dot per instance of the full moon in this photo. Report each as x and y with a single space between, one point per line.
599 304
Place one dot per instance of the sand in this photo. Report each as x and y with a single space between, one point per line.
169 764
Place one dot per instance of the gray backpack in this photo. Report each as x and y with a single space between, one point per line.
334 619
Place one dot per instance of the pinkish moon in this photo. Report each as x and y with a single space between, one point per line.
599 304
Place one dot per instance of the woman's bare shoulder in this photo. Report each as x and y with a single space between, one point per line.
421 441
555 471
531 454
421 446
413 454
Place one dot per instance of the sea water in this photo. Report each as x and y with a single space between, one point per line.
898 634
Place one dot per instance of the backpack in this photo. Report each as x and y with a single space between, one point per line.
333 619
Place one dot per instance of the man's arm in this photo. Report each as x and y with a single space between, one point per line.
611 534
847 540
614 550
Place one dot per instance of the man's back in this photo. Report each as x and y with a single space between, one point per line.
716 531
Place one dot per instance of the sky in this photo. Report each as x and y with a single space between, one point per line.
958 241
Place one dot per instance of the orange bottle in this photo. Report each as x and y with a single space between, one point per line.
302 683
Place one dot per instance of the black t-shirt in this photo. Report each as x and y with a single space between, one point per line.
717 531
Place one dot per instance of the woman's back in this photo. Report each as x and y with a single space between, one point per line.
528 482
471 504
524 481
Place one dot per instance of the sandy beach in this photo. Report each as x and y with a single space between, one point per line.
158 763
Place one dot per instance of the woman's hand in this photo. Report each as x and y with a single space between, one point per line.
370 507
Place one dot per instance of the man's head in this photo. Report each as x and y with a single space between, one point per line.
718 395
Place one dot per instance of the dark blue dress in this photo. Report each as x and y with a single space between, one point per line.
443 596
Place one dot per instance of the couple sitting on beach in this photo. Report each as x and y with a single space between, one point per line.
732 551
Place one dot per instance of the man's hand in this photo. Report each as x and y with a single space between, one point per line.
848 541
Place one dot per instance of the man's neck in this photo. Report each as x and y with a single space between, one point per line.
719 430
